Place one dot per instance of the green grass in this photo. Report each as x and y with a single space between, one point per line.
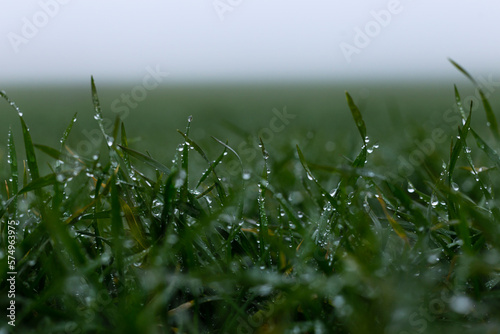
293 240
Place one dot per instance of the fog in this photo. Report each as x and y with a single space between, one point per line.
241 40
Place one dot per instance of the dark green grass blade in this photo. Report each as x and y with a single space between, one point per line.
494 157
117 225
358 118
169 198
124 143
67 131
461 69
360 124
14 172
458 102
52 152
39 183
230 149
146 159
30 152
263 221
28 143
455 153
97 107
211 169
490 115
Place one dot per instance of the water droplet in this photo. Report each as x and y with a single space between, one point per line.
467 149
110 140
246 175
434 200
411 188
433 259
454 186
461 304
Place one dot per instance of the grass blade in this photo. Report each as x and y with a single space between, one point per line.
146 159
490 115
67 131
14 172
492 154
358 118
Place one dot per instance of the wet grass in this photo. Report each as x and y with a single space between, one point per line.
210 241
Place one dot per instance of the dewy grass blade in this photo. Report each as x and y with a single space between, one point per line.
458 101
117 224
28 143
97 106
30 152
146 159
14 172
52 152
490 115
67 131
263 221
311 177
360 124
230 149
494 157
211 169
358 118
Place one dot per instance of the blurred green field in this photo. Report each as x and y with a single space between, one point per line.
392 111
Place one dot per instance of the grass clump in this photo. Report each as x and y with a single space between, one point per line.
121 242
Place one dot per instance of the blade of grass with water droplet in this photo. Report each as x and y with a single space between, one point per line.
14 173
241 167
312 178
117 224
360 124
490 115
66 133
494 157
458 101
358 118
39 183
263 221
52 152
97 107
211 169
146 159
230 149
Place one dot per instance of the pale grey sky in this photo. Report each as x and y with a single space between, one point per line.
246 39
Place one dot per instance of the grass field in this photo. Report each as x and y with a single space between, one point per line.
373 211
